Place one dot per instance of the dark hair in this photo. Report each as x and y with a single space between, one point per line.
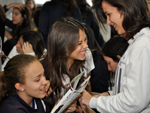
2 14
84 8
115 46
36 16
70 8
62 41
136 14
14 73
36 40
26 22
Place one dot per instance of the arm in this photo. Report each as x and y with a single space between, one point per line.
9 36
135 93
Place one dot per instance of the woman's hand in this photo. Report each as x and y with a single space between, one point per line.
85 99
18 5
27 48
72 107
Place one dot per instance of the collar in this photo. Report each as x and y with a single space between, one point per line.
139 34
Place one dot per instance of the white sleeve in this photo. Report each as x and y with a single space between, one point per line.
12 53
89 63
32 53
135 94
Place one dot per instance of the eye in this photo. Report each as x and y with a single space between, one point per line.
37 80
79 43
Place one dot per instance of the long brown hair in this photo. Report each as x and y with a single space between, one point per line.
62 41
136 14
26 22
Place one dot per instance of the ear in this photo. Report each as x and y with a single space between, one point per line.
19 87
119 57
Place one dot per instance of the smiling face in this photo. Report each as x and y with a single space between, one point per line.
19 45
17 18
114 17
79 52
35 82
112 65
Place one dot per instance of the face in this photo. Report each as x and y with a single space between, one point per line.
114 17
19 45
17 17
30 5
79 52
35 82
112 66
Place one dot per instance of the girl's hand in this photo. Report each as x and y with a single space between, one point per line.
72 107
18 5
27 48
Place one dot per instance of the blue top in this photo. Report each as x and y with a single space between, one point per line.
14 104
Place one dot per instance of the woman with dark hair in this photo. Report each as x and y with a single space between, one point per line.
89 19
21 22
30 42
131 91
24 84
53 10
112 56
67 55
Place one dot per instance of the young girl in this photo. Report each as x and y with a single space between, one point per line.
67 54
24 83
30 42
21 22
31 7
132 78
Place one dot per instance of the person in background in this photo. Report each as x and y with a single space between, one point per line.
53 10
2 23
131 91
31 43
99 75
9 12
30 4
67 56
112 56
89 19
21 23
24 84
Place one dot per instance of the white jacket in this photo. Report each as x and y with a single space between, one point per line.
131 93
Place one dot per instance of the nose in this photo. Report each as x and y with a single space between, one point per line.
85 45
108 21
109 68
44 81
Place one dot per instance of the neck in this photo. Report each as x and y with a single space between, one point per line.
70 62
25 97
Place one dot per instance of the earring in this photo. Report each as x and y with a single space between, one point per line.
22 89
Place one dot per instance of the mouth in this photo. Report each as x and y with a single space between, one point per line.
43 90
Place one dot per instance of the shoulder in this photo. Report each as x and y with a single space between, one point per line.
11 105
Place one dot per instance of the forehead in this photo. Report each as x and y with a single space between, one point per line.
16 10
108 7
82 34
33 69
